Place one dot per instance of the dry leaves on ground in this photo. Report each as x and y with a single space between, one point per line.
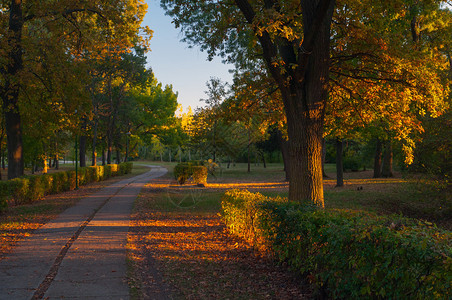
198 259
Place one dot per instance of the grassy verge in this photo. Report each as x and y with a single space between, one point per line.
20 221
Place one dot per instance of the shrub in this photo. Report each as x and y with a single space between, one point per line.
37 188
107 171
182 172
18 189
351 255
90 174
194 170
98 172
31 188
199 174
47 181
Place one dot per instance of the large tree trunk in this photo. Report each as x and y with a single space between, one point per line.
387 160
109 150
303 82
304 104
10 91
103 157
339 163
377 160
118 156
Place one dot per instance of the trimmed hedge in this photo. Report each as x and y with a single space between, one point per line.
348 255
28 189
194 170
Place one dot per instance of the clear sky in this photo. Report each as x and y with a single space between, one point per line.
174 63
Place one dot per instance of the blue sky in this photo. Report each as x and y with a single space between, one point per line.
174 63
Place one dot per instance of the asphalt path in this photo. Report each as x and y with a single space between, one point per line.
82 253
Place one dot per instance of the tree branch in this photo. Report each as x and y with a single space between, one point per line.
64 13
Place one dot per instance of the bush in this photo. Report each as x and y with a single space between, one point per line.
199 174
350 255
18 189
37 188
28 189
107 171
183 171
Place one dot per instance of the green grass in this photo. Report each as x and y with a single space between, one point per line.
417 199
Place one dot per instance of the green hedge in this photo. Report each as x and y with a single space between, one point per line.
348 255
194 170
28 189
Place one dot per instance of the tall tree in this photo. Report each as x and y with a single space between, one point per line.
293 39
72 25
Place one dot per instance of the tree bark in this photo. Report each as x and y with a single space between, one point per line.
377 160
103 157
304 90
109 151
263 159
57 162
339 163
10 91
118 156
387 160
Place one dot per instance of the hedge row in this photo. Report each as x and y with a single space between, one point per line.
348 255
193 170
28 189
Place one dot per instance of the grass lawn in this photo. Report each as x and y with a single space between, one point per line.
408 196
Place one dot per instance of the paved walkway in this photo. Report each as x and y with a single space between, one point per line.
82 253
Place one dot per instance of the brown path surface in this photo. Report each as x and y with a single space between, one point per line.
82 253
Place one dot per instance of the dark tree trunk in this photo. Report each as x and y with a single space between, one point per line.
82 146
339 163
304 91
10 91
263 159
3 159
103 157
387 160
118 156
57 162
109 151
377 160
